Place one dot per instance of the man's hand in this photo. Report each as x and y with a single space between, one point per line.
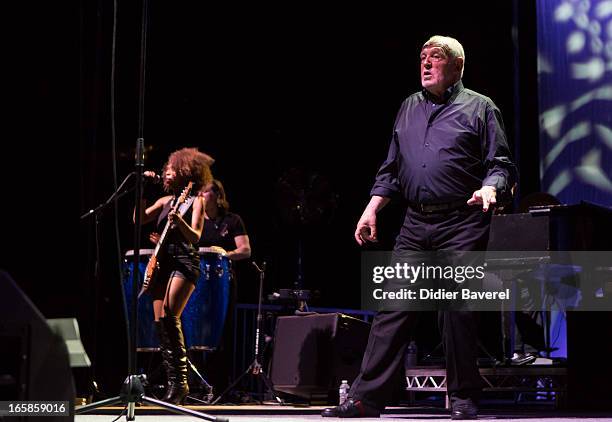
484 196
366 228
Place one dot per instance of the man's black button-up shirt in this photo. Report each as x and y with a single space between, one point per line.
445 152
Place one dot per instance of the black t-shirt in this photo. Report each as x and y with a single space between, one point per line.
222 230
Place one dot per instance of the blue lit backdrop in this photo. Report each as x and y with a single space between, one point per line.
575 99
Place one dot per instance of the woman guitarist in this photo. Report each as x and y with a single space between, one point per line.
178 263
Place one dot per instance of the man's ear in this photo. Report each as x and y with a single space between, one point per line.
459 64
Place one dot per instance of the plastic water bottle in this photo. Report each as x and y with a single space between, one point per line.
343 391
410 359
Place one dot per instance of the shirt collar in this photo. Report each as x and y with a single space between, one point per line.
449 94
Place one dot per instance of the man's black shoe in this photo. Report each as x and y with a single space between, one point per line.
464 414
464 410
523 358
351 409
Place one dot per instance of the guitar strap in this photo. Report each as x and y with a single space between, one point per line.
184 207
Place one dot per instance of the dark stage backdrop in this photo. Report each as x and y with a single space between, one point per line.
303 97
283 99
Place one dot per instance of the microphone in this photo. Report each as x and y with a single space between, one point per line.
152 177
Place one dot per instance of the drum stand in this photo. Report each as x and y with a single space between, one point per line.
209 388
190 366
255 368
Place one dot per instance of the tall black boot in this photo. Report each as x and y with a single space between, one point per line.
176 359
163 344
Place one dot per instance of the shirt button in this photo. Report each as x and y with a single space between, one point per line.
423 165
426 144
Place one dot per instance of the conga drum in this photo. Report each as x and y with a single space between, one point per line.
147 339
204 315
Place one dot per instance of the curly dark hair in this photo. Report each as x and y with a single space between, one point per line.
191 165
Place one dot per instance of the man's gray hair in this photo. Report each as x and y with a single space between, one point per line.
451 46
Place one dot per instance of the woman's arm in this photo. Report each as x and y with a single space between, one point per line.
191 232
149 214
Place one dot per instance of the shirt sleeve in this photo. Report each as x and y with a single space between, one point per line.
501 172
237 227
387 182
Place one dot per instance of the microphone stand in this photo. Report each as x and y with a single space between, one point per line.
97 213
255 368
116 195
132 391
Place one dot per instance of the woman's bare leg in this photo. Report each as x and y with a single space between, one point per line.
157 298
177 294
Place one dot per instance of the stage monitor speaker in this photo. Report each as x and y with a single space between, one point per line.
68 330
589 367
34 363
314 353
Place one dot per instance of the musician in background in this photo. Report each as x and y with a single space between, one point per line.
179 263
224 233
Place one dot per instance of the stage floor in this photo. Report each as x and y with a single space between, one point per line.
298 414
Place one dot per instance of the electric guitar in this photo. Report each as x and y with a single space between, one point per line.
153 266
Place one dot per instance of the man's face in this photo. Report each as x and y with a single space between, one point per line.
438 71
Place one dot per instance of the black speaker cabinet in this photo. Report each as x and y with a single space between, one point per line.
534 233
314 353
589 368
34 363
